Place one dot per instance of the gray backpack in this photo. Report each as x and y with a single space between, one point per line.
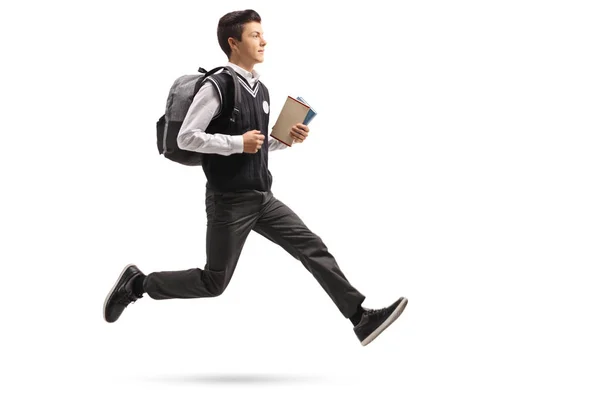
180 99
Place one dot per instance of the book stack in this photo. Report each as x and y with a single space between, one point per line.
294 111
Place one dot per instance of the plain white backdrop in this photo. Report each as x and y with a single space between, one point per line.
454 161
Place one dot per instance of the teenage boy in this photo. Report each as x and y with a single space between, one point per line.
238 192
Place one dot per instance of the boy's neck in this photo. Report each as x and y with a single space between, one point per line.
246 66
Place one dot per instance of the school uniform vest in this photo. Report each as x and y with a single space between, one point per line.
239 171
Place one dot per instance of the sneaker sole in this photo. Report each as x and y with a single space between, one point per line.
111 292
394 316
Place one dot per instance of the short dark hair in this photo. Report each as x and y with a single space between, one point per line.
232 25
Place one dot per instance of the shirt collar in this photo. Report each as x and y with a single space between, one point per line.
254 75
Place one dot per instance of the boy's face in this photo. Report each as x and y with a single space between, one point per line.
251 48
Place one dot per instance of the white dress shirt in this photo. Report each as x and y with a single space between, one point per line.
204 108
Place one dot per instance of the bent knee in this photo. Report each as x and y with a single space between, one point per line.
216 284
218 290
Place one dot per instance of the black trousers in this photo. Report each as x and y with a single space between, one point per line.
230 218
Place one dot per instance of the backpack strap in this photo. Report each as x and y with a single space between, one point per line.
237 100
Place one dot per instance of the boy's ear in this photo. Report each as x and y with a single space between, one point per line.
232 43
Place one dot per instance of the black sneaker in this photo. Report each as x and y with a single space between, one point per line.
373 322
121 294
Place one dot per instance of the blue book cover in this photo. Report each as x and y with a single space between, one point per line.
311 113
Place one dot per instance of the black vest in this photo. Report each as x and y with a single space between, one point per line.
239 171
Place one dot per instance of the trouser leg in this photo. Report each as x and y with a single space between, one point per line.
230 218
282 226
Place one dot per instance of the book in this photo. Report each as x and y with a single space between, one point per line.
311 113
294 111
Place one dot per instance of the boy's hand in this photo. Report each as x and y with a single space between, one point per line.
299 132
253 140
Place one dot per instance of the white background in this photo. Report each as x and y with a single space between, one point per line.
454 161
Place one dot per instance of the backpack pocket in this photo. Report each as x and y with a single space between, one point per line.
160 135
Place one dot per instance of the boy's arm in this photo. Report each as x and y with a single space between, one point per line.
192 136
275 144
